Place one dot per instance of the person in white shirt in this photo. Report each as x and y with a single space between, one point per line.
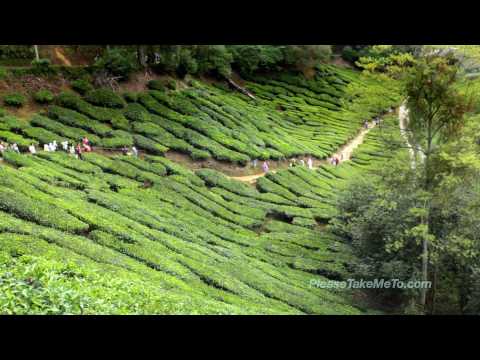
134 151
302 162
15 148
310 163
46 147
72 149
52 147
65 145
32 149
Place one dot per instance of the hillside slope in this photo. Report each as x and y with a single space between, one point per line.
150 236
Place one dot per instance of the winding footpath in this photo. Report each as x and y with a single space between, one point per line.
344 153
403 119
403 123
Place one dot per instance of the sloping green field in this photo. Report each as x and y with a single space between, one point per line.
90 237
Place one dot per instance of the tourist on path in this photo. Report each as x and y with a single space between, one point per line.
65 145
134 151
86 144
302 162
265 167
79 151
46 147
310 163
254 163
32 149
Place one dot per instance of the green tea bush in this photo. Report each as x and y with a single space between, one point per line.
118 62
39 212
22 142
62 130
13 123
43 136
106 98
149 145
119 138
14 99
42 67
156 85
73 118
130 96
136 112
43 97
82 86
3 73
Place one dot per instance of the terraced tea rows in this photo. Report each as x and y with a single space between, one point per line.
194 242
292 117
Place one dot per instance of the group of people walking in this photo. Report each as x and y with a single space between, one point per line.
293 163
301 162
335 160
5 146
77 150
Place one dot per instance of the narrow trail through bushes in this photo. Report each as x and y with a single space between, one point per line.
344 153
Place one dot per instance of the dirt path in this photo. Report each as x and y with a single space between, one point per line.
59 54
344 153
403 119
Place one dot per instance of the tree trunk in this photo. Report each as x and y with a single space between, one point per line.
434 289
141 56
423 294
37 56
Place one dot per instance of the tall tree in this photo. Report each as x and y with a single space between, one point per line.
37 56
437 110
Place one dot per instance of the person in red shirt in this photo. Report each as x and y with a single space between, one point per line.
86 144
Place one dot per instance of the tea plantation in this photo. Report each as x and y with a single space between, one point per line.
116 234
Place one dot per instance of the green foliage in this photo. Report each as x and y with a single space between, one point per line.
156 85
106 98
130 97
14 99
118 62
43 97
42 67
149 145
16 52
82 86
39 212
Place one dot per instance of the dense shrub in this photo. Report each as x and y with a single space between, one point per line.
16 52
42 67
3 73
15 100
105 97
22 142
130 96
149 145
118 62
39 212
44 96
156 85
82 86
136 112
